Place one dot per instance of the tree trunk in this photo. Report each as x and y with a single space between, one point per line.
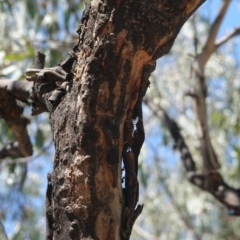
93 132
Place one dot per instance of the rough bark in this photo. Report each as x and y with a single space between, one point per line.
12 112
119 42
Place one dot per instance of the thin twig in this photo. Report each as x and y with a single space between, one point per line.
227 37
141 232
209 46
209 156
26 159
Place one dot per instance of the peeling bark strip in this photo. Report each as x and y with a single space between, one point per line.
119 42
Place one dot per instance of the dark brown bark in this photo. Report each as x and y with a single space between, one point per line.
11 111
119 42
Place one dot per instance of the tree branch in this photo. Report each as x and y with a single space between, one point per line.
211 182
209 46
10 150
11 112
199 93
141 232
20 90
227 37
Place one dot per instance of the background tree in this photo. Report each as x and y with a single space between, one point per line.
167 180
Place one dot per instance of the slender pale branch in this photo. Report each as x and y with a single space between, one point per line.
141 232
209 46
227 37
11 112
200 91
211 182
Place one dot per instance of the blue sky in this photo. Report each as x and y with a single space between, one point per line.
231 20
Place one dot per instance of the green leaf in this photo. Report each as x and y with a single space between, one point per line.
15 56
32 8
218 118
4 130
237 151
67 17
39 138
236 173
237 126
165 138
142 175
12 168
